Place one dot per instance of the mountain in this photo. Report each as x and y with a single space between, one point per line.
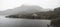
24 9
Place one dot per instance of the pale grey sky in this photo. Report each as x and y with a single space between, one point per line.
9 4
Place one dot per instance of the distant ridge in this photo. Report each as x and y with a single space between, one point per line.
24 9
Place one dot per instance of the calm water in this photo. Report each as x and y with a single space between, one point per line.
14 22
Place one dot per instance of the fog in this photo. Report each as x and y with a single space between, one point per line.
9 4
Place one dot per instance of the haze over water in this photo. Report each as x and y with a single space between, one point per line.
15 22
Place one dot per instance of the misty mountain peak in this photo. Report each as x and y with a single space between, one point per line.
23 9
30 6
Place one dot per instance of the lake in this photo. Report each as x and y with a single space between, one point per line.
15 22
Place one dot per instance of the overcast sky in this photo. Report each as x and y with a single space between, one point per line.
8 4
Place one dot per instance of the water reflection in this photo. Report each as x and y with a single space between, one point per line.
10 22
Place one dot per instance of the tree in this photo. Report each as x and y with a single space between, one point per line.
57 9
55 22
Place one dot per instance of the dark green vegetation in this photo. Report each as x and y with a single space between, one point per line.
55 23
